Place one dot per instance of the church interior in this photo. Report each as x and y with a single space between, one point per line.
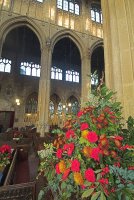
53 53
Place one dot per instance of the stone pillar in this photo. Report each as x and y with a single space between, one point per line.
44 92
118 28
85 79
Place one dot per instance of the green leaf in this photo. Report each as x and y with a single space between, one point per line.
87 193
97 171
95 195
63 185
41 195
102 196
88 184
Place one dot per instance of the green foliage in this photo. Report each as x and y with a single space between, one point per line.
124 182
128 133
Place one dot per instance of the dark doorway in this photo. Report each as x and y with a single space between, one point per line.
6 120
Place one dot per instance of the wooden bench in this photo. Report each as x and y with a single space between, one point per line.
11 191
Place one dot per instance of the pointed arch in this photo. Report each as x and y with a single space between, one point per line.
73 36
14 22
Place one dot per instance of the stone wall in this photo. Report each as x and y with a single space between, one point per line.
50 25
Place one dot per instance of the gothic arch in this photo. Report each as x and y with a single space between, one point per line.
12 23
74 37
97 44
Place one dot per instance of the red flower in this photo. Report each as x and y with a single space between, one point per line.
117 164
69 134
103 181
69 148
84 126
92 137
59 153
57 168
80 113
90 175
75 167
126 147
95 153
66 173
105 170
131 167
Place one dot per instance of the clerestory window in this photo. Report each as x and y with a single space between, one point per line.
5 65
72 76
41 1
30 69
56 73
72 6
96 13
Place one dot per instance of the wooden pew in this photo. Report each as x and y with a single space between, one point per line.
11 191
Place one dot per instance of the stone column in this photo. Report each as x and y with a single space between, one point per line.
44 91
118 28
85 79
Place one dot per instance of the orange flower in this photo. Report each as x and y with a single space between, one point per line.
62 166
87 151
78 178
84 134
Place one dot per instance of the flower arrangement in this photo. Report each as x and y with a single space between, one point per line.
5 155
89 158
17 135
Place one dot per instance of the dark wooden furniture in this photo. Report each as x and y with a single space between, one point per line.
11 191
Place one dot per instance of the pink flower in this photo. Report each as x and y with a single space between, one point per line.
80 113
70 149
90 175
95 153
57 168
75 167
59 153
84 126
92 137
103 181
66 173
65 147
69 134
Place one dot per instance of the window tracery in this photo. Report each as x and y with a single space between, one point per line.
96 13
56 73
30 69
5 65
72 6
72 76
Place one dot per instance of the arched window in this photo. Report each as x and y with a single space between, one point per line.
73 105
31 104
56 73
94 79
5 65
59 109
72 76
51 108
96 13
72 6
30 69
